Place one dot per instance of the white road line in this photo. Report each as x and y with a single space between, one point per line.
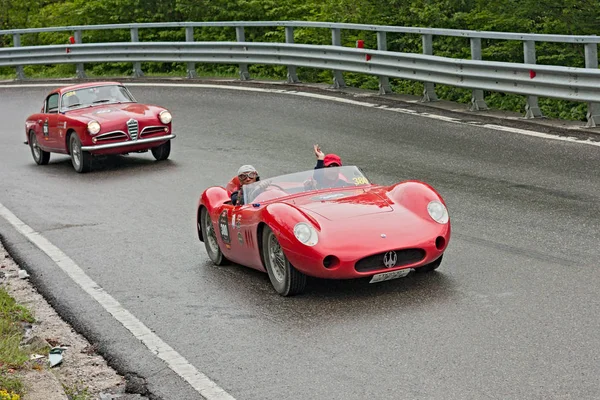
206 387
339 100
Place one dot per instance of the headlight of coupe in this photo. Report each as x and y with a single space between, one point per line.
438 212
93 127
306 234
165 117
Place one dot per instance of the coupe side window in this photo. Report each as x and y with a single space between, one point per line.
52 104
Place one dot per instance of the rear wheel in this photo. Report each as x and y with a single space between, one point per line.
40 156
81 160
205 226
430 267
286 279
162 152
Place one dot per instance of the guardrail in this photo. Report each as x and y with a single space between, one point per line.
569 83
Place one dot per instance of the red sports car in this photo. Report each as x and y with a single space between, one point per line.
327 223
97 119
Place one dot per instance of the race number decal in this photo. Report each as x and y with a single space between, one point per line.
360 181
45 128
224 227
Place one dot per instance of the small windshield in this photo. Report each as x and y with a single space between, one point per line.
306 181
91 96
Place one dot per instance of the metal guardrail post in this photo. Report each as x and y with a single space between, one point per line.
19 68
191 67
384 81
532 108
137 66
241 37
477 101
289 38
428 87
336 40
79 69
591 61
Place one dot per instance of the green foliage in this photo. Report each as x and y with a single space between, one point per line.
569 17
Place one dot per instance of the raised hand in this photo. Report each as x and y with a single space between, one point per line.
320 155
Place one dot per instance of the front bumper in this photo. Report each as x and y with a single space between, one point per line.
127 143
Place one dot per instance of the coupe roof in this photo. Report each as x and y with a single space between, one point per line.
85 85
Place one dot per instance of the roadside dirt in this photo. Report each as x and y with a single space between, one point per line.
82 374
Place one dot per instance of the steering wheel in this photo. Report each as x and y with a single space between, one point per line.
258 188
277 186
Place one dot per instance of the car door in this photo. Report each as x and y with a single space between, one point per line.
236 234
49 122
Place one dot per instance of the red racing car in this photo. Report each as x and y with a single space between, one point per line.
97 119
327 223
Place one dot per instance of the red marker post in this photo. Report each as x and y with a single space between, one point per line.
71 41
360 44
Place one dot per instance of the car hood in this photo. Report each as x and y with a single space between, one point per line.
345 204
115 112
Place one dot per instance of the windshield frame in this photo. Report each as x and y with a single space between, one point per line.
86 92
349 176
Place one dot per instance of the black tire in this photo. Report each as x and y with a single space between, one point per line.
430 267
81 160
162 152
40 156
286 279
209 235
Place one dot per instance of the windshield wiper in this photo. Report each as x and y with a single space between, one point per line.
101 101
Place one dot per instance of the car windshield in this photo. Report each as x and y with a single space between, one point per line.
306 181
91 96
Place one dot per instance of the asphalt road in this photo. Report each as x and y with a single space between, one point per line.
512 313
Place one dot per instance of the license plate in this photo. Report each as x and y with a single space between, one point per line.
386 276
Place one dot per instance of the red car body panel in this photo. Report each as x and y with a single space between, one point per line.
113 122
353 224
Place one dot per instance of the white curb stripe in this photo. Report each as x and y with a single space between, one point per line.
339 100
176 362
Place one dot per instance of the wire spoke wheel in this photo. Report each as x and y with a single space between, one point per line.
207 233
286 279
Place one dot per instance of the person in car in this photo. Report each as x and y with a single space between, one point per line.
325 177
246 175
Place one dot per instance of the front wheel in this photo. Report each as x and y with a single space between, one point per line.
205 226
431 266
81 160
286 279
162 152
40 156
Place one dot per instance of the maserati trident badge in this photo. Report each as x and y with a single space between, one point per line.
389 259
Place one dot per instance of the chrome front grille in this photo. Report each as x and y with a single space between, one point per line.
153 130
133 129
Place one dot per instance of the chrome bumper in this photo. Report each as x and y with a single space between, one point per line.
127 143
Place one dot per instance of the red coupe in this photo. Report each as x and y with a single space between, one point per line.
97 119
327 223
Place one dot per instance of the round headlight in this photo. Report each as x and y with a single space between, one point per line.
93 127
438 212
306 234
165 117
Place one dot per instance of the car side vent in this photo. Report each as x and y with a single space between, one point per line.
133 129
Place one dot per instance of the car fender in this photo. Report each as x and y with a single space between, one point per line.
211 198
281 218
414 196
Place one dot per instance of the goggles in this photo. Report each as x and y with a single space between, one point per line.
332 165
251 175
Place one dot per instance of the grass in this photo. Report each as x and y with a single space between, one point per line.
77 393
12 355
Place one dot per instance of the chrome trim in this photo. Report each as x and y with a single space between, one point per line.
133 128
127 143
103 135
154 127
